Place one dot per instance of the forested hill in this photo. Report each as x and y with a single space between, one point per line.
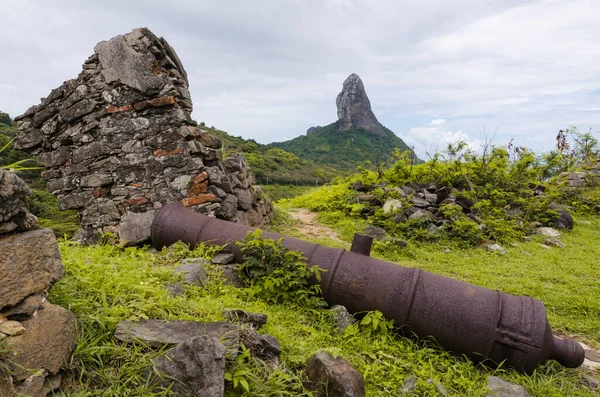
344 150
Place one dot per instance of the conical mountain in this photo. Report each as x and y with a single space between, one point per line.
357 135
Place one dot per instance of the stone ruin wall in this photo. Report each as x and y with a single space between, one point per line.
118 142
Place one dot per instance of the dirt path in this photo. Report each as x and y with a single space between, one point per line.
308 226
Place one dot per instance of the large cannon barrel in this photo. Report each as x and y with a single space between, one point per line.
463 318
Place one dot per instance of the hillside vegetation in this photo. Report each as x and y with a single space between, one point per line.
276 166
344 150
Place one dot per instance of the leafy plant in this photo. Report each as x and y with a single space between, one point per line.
276 274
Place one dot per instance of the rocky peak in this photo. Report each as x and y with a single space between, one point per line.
354 107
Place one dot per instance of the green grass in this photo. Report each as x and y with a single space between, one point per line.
566 280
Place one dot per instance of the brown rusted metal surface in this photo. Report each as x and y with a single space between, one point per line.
361 244
463 318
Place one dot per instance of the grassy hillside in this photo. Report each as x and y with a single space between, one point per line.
102 366
276 166
344 150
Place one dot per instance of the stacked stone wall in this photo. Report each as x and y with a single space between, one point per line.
118 142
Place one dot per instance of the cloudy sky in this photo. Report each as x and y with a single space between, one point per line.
436 71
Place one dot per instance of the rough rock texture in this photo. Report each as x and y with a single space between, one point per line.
46 344
118 142
333 377
29 263
257 320
354 107
159 332
194 368
498 387
39 336
14 216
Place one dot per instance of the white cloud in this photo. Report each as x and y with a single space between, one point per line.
269 70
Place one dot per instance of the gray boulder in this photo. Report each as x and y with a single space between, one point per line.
194 368
333 377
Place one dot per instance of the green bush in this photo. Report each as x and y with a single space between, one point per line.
277 275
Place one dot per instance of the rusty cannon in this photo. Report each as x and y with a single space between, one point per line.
463 318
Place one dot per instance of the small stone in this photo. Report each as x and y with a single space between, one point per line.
341 317
391 206
241 316
544 246
11 328
333 377
501 388
547 232
193 271
375 232
223 258
231 276
422 214
553 241
409 386
591 381
365 198
438 386
175 289
495 248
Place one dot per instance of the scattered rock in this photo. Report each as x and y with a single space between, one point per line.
11 328
333 377
495 248
554 242
193 272
591 382
587 223
30 263
376 232
422 214
419 202
257 320
391 206
365 198
438 386
223 258
196 367
409 386
341 317
359 187
231 276
32 386
565 221
175 289
47 342
155 333
501 388
547 232
592 358
264 346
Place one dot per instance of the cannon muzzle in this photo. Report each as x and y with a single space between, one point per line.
462 317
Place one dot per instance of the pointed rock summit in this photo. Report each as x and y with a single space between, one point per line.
354 107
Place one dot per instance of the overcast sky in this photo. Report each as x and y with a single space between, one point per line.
435 70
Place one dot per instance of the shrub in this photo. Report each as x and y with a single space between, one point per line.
276 274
